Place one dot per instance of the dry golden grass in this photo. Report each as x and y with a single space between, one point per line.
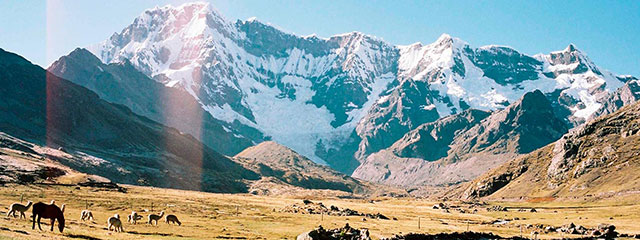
210 216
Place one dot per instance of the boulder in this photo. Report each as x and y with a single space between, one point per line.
344 233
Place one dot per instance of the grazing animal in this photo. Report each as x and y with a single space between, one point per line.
49 211
134 217
115 223
534 235
172 219
155 217
86 215
17 207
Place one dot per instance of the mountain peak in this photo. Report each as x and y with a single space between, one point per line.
180 16
531 102
252 19
264 146
352 35
84 55
570 49
448 41
444 37
576 60
79 56
191 6
198 4
534 97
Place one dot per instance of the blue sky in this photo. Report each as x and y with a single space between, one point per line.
608 31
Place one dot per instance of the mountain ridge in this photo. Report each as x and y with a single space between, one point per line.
121 83
363 93
49 118
460 147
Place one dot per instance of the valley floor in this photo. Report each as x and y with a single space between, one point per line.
240 216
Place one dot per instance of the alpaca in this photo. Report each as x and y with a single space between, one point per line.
134 217
115 223
534 235
172 219
86 215
154 217
17 207
50 211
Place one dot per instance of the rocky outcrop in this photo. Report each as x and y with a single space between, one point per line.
623 96
577 150
431 141
448 236
592 159
602 231
345 233
310 207
494 183
24 162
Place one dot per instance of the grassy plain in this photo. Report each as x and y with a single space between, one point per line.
243 216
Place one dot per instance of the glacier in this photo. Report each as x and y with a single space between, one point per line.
306 90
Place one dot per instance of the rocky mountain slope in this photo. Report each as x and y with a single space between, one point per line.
600 158
121 83
106 139
24 163
462 146
623 96
339 99
272 160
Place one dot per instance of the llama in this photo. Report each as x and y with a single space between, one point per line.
172 219
115 223
134 217
154 217
50 211
86 215
17 207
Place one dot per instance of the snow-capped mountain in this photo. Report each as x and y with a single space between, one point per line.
350 93
299 90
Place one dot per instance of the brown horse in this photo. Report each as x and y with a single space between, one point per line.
50 211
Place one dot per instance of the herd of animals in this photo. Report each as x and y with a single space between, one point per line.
53 212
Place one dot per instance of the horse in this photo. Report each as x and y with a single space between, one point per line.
50 211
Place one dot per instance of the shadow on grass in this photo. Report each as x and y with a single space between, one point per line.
11 230
154 234
82 236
